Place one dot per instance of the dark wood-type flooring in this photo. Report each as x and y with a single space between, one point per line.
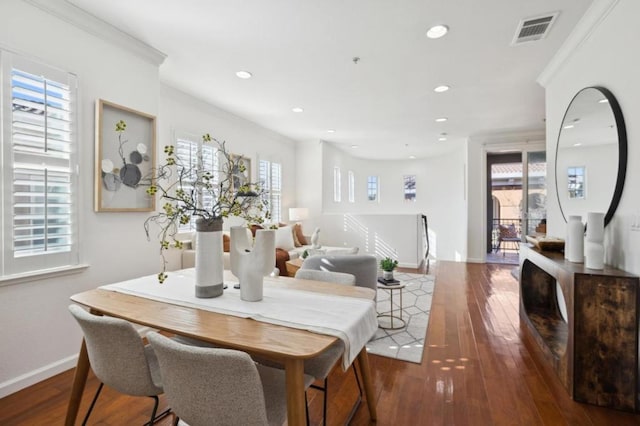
476 370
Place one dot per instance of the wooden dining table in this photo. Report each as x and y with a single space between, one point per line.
289 346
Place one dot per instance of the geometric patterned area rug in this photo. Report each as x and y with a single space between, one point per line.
407 342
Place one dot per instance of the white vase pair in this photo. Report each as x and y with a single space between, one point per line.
591 251
249 262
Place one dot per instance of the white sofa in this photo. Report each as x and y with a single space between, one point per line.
189 253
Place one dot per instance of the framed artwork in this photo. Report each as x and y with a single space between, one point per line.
409 187
125 159
240 178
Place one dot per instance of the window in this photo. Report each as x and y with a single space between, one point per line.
576 182
409 187
352 187
372 188
188 150
337 195
39 157
270 177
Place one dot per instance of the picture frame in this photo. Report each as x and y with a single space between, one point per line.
240 178
124 161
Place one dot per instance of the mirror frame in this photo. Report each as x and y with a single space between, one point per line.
622 151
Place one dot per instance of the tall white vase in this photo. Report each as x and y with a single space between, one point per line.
209 261
575 237
594 246
251 262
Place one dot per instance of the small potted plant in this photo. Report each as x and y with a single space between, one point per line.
388 265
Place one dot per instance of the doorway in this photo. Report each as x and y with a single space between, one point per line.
516 202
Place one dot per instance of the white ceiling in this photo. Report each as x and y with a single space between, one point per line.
300 53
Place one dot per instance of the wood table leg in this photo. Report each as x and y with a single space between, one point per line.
365 371
79 382
294 369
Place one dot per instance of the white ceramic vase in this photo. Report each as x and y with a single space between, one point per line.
594 246
209 261
575 238
251 262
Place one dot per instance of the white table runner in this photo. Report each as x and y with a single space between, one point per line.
351 319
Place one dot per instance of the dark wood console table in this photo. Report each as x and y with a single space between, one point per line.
594 352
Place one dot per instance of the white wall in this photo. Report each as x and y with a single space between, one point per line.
440 195
604 58
39 337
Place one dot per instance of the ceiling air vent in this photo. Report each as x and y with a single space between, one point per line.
533 29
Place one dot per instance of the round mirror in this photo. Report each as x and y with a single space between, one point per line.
591 155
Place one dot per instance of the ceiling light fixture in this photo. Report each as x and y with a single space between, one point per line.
441 89
569 126
412 157
577 144
331 131
244 74
442 139
297 109
441 119
437 31
603 101
354 146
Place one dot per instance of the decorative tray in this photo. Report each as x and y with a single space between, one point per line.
546 243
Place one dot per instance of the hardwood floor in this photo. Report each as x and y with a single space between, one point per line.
476 370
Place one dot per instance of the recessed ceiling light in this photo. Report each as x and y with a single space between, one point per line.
577 144
603 101
441 89
297 109
437 31
441 119
354 146
244 74
442 139
331 131
412 157
569 126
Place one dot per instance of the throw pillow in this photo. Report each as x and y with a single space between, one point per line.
299 236
284 238
226 243
254 228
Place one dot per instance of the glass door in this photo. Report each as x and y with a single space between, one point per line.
535 213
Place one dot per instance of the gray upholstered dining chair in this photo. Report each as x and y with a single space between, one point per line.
320 366
119 358
363 266
331 277
220 386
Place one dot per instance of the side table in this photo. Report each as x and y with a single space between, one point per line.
392 315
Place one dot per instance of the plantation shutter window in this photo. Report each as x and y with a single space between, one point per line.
270 177
39 155
188 149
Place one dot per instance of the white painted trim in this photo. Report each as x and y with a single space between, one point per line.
35 376
73 15
408 265
474 260
42 274
592 18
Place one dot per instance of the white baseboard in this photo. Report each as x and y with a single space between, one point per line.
37 375
408 265
472 260
48 371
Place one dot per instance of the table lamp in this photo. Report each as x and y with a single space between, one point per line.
298 214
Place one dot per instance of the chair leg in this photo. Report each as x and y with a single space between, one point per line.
155 418
359 400
306 408
93 403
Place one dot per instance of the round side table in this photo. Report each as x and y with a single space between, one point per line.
392 315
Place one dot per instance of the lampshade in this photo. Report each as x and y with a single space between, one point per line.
298 213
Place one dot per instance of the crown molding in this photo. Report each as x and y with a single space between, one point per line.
592 18
73 15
